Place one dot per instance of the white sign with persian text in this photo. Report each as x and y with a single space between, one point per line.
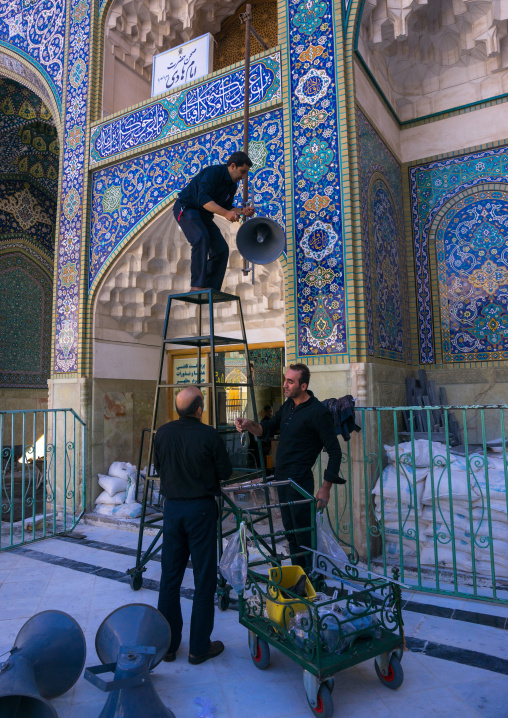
182 64
185 371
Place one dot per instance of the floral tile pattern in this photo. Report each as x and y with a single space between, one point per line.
433 185
36 28
71 216
387 311
473 277
124 194
321 304
26 297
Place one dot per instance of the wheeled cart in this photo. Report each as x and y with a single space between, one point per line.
344 618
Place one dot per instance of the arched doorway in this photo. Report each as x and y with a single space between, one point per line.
29 147
128 316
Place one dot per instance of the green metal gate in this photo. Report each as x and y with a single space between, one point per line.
427 492
42 479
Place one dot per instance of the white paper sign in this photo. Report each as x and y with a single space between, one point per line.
182 64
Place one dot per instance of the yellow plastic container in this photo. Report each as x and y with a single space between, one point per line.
276 605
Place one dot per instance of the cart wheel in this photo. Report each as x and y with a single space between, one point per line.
136 581
262 657
395 676
324 706
223 603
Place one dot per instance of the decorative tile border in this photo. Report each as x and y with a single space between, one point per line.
472 271
36 29
187 109
126 195
71 195
318 241
432 185
387 310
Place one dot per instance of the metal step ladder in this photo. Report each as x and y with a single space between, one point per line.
211 299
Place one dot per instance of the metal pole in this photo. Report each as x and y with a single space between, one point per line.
247 17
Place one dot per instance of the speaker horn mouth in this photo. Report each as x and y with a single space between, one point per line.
25 706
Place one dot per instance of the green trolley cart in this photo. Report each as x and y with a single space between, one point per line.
346 615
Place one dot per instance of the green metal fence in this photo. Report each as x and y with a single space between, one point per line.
427 492
42 479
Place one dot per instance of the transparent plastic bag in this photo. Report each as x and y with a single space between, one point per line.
326 541
233 564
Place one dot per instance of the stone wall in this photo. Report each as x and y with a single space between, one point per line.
121 410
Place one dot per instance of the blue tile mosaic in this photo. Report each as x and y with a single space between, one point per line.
124 194
472 261
36 29
71 216
186 109
27 212
433 185
321 304
386 296
30 147
26 297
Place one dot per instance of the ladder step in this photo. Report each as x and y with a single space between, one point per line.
203 297
203 341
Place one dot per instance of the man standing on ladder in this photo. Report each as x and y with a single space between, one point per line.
306 427
210 192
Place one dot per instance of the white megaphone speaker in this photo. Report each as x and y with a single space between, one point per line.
260 240
130 642
46 660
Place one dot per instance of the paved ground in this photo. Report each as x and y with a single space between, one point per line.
84 578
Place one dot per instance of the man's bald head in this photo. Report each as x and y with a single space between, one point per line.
189 401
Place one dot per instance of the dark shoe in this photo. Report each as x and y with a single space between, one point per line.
169 657
216 648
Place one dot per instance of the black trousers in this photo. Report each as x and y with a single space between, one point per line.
297 517
189 529
210 251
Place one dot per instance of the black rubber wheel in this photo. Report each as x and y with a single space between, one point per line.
395 677
262 658
223 603
324 707
136 581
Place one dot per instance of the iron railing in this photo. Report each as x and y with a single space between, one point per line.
433 503
42 478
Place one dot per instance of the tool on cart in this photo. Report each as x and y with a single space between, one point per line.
211 300
336 624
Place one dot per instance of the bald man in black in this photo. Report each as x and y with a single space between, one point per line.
191 460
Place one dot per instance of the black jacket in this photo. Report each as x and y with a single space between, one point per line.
191 459
212 184
304 430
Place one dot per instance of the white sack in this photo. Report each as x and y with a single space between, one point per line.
454 485
130 497
112 484
421 455
391 509
122 469
401 484
128 511
461 524
105 498
104 509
